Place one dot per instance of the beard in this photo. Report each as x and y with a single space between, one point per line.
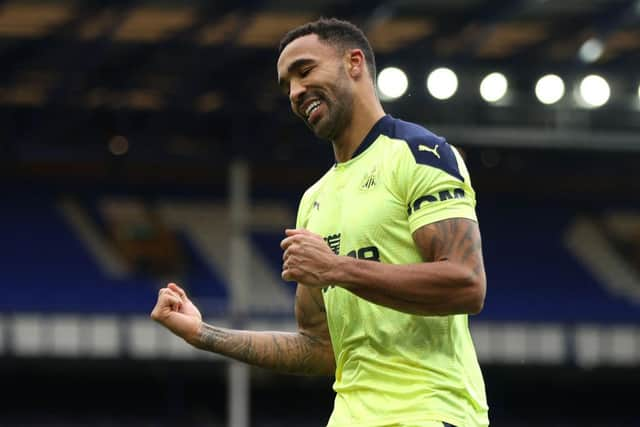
339 107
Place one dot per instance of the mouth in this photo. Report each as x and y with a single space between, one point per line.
309 110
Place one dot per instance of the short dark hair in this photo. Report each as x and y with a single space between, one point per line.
342 34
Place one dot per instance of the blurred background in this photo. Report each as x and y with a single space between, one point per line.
147 141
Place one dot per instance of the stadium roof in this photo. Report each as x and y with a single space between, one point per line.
88 70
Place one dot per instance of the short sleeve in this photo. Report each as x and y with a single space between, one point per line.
302 217
433 181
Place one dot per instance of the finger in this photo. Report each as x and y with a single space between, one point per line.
288 252
177 289
293 231
170 300
290 261
301 232
168 291
288 241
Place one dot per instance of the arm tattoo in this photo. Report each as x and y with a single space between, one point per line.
306 352
456 240
293 353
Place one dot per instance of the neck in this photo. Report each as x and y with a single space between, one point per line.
365 114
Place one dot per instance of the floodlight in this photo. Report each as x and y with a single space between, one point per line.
494 87
392 83
549 89
595 90
442 83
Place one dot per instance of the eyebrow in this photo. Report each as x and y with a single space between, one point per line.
298 63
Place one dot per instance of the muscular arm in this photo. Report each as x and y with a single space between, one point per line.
306 352
450 281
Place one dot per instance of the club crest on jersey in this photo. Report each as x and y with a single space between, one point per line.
369 180
333 240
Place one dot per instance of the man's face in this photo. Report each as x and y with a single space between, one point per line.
313 76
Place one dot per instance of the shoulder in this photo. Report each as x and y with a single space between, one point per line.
425 148
311 192
307 201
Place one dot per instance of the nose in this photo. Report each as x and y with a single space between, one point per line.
295 91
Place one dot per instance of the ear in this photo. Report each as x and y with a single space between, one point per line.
356 63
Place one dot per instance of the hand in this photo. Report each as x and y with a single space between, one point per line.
307 258
175 311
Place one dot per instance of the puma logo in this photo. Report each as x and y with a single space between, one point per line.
433 150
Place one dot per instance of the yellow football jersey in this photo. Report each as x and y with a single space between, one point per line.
393 368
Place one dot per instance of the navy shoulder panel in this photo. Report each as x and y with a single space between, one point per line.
427 148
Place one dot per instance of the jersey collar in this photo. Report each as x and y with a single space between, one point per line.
382 126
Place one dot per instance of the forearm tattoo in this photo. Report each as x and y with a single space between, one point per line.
294 353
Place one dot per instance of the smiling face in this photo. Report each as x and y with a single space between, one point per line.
312 74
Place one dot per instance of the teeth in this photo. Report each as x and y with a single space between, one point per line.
311 108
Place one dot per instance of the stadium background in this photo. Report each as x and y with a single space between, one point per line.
146 141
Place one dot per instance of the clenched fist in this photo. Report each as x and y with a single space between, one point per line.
307 258
175 311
